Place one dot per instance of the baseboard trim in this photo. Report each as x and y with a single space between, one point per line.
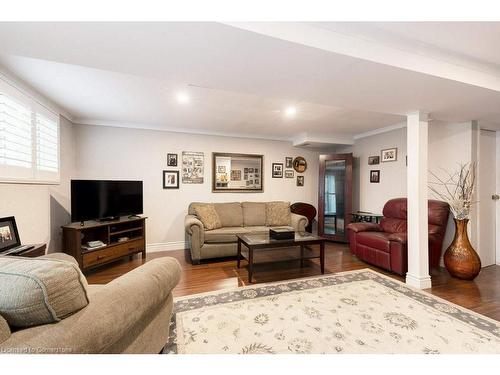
418 282
166 246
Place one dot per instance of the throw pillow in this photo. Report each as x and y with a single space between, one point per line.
278 214
4 330
208 216
40 291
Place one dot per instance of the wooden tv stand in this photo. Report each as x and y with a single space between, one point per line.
76 235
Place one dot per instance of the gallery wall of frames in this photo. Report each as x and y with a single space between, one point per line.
231 172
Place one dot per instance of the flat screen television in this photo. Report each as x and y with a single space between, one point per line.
105 199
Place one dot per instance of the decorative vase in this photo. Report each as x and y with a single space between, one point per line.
460 259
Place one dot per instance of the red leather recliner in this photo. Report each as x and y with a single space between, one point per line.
385 244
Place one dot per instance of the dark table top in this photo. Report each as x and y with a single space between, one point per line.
260 239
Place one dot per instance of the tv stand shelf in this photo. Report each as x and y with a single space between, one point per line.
75 235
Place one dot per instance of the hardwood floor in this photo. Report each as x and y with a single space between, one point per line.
481 295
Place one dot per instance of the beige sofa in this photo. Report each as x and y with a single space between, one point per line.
236 218
131 314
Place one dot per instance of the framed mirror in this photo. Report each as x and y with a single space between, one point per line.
237 173
299 164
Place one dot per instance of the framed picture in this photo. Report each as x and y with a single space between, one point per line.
299 164
9 237
236 175
171 179
172 160
277 170
300 180
228 170
192 167
372 160
289 173
288 162
375 176
390 154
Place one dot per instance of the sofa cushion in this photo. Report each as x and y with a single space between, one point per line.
377 240
392 225
254 213
40 291
230 214
224 235
278 214
4 330
208 216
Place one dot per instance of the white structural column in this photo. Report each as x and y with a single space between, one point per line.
418 244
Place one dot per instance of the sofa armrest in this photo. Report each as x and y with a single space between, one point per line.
194 227
114 311
60 256
192 223
196 236
399 237
364 227
299 222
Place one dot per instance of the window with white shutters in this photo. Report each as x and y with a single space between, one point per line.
29 139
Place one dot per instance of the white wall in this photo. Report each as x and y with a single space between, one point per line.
449 145
372 196
121 153
39 209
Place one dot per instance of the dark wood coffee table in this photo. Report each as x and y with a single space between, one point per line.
262 242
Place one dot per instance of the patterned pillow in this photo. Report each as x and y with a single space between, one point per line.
4 330
278 214
208 216
40 291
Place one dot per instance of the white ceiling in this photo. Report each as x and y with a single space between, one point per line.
473 40
240 81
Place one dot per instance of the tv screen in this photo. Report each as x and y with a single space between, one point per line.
101 199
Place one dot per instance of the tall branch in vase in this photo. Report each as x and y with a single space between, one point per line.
457 189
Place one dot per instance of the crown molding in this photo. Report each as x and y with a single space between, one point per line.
157 127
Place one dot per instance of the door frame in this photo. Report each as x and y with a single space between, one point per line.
347 194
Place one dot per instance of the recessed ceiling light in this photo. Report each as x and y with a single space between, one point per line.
182 97
290 111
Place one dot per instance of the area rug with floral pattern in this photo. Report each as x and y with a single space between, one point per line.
351 312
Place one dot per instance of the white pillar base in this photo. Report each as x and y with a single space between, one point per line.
418 282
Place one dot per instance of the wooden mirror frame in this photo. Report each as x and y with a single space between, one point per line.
295 163
216 189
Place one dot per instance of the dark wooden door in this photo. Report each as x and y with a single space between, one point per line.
335 196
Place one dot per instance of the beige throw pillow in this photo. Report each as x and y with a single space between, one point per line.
208 216
278 214
40 291
4 330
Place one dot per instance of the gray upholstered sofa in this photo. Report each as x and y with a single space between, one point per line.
235 218
131 314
